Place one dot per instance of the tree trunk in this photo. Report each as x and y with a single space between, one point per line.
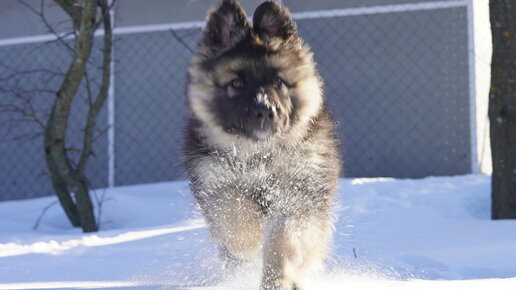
62 173
61 190
502 108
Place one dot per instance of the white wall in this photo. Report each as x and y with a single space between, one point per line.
483 51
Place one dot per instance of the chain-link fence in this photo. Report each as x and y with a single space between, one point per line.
398 83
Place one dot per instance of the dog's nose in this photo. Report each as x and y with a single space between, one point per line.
263 112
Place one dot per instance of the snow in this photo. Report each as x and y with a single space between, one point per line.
432 233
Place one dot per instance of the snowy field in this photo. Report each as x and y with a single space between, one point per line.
433 233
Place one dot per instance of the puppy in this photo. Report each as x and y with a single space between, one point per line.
259 148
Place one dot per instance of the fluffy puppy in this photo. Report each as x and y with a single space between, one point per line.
259 148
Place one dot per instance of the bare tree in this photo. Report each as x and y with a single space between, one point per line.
502 108
66 165
68 178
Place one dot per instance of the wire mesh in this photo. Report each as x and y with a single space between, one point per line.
396 84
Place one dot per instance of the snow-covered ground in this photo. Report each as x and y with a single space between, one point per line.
433 233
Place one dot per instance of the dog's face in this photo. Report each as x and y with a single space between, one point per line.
254 82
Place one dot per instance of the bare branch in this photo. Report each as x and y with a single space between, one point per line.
60 37
101 133
23 137
73 9
95 108
105 8
28 72
30 114
181 41
36 225
88 89
100 203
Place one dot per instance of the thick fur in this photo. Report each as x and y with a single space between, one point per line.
259 147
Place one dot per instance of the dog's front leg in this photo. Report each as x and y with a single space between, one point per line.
293 244
235 223
277 256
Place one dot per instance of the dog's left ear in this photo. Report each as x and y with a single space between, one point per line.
271 20
226 26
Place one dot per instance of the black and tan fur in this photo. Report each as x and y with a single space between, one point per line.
259 148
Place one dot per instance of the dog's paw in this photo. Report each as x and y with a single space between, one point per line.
280 284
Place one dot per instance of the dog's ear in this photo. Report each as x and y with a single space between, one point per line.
271 20
226 26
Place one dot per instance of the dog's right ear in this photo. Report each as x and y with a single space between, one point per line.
271 19
226 26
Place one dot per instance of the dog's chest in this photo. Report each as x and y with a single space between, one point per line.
262 169
265 176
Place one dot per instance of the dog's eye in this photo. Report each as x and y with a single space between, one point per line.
237 83
278 82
